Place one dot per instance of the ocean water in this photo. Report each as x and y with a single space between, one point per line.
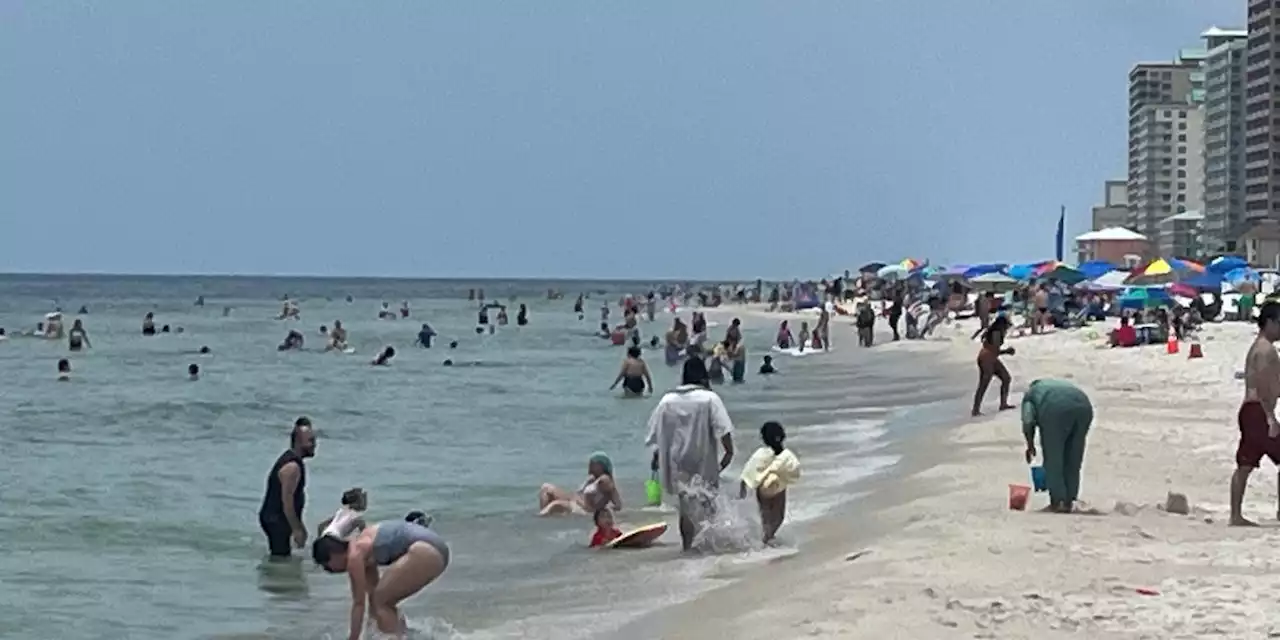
131 493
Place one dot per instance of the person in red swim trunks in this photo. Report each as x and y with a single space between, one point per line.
606 531
1259 429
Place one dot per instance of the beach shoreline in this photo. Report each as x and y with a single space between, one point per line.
941 556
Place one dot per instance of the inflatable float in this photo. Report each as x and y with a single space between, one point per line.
639 538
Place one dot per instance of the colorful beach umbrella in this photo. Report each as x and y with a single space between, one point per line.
1024 271
1144 298
1066 275
910 265
1179 264
1156 272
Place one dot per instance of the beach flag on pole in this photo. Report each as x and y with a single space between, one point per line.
1062 229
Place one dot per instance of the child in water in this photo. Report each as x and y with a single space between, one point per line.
606 531
804 335
767 367
349 518
64 370
769 471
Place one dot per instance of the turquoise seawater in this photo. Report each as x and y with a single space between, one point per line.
131 493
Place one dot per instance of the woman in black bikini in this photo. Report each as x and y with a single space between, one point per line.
989 364
634 374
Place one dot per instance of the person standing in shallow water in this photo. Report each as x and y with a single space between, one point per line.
1063 414
78 338
692 440
282 504
1259 427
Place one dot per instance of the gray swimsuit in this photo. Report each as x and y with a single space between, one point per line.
394 537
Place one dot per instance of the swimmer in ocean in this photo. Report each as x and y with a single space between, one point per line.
634 374
3 337
337 337
384 358
767 367
193 372
291 342
502 316
522 316
205 350
386 313
78 338
64 370
425 336
149 324
482 318
404 309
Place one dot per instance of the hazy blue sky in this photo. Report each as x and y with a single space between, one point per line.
649 139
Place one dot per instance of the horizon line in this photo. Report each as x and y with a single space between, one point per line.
299 276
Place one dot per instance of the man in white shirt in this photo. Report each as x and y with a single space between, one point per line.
688 429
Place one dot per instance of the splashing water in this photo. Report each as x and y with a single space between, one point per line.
724 524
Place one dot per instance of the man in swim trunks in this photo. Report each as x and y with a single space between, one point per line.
1257 416
634 374
281 512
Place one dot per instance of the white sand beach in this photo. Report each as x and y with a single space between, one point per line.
944 557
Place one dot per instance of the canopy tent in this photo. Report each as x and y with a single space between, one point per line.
1110 281
996 282
871 267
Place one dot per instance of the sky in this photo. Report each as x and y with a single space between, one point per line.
660 139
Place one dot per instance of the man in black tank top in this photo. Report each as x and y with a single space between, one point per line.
281 512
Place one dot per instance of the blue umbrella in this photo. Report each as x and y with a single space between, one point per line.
1208 282
1226 264
1023 271
1243 274
1094 269
982 269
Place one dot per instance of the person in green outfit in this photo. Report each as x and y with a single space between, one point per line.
1063 413
1245 305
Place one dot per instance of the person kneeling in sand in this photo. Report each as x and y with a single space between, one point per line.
1063 414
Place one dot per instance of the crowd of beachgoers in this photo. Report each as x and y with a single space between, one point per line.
1061 320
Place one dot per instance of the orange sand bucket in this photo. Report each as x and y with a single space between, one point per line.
1171 347
1195 351
1018 495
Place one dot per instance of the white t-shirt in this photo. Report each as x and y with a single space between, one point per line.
686 427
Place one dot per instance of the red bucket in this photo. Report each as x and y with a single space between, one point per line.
1018 496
